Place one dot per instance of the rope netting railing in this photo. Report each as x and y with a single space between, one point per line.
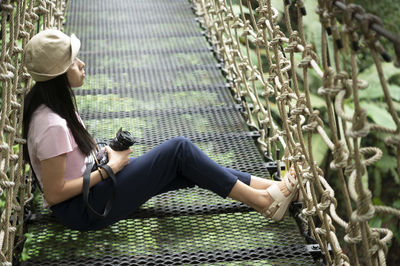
285 85
20 20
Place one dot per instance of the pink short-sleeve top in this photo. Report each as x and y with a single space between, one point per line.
49 136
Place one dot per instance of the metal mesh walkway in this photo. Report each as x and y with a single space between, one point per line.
150 70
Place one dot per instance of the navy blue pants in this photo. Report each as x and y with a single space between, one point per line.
176 163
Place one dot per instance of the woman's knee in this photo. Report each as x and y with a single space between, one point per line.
181 142
181 139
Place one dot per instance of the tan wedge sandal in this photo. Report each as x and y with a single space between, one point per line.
276 211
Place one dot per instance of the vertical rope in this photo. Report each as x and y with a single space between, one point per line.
17 23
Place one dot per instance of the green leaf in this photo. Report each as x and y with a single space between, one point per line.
253 54
377 201
311 25
377 182
374 89
396 204
317 101
379 115
394 92
395 175
375 222
278 4
386 162
395 231
236 10
319 147
364 180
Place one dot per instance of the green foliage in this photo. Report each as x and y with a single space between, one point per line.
374 90
387 10
382 177
27 247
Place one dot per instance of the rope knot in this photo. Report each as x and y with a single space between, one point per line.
300 5
6 184
8 8
6 76
349 169
273 71
229 17
326 200
366 22
361 84
246 28
353 234
33 16
324 15
328 84
300 106
365 210
340 81
377 244
22 33
371 37
340 156
263 11
253 75
393 141
350 27
285 97
297 156
307 174
313 122
294 40
261 22
360 126
41 9
350 12
260 38
243 65
278 34
268 91
308 56
309 212
237 24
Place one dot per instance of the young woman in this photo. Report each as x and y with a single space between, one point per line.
58 146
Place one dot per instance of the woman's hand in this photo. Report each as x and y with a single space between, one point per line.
117 160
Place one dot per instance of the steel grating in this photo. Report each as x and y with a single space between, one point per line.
150 70
140 100
99 87
186 239
153 77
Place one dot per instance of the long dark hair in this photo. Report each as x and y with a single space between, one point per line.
59 97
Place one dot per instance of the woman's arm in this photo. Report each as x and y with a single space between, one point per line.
57 190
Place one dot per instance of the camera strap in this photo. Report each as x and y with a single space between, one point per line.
86 189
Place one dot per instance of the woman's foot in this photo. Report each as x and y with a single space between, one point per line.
279 195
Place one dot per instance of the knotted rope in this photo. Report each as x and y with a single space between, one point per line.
18 19
286 83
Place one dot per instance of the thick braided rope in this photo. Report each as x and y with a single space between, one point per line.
280 86
20 17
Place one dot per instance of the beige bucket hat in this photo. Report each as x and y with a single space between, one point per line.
50 53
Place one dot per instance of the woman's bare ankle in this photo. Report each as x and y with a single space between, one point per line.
260 183
262 201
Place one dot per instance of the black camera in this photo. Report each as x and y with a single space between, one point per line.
122 141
